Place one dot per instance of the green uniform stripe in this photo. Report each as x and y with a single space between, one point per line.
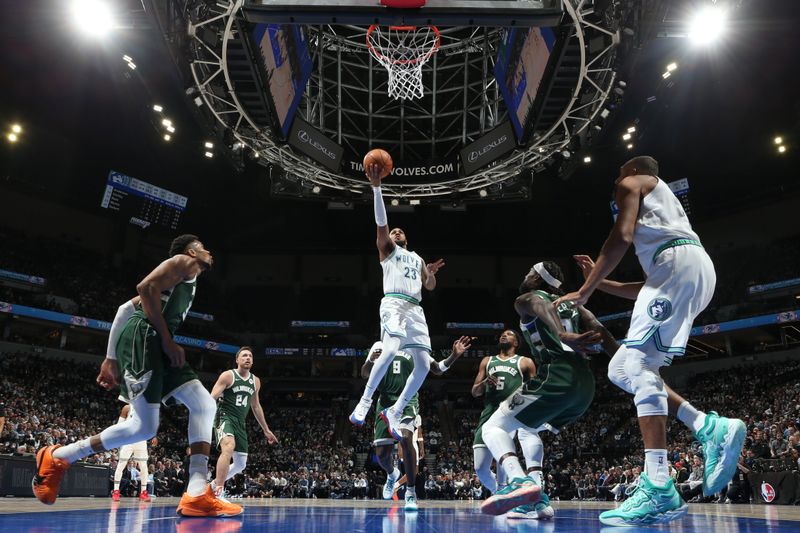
674 243
402 296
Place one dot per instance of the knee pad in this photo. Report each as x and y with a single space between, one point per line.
137 428
532 447
616 370
202 409
649 393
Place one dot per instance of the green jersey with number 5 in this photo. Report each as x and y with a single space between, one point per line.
236 399
508 376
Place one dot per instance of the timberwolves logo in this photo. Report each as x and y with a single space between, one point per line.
659 309
767 492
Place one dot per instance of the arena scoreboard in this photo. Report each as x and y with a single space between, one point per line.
143 203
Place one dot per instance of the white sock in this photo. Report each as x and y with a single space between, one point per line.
198 469
656 466
73 452
537 477
691 417
512 467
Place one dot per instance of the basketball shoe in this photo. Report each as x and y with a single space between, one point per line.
115 495
411 502
519 491
722 440
541 510
359 414
647 505
392 420
144 496
388 488
207 504
49 473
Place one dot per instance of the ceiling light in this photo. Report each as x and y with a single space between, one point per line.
778 140
12 137
171 129
587 159
604 113
630 146
413 202
92 17
483 193
167 136
315 189
16 128
631 129
256 154
395 202
166 122
672 66
209 144
209 154
127 58
157 108
781 148
708 25
626 137
666 75
132 66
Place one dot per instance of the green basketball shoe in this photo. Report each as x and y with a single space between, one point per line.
647 505
520 491
722 440
541 510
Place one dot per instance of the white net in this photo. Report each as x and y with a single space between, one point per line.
403 50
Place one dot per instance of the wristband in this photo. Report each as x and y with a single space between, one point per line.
443 367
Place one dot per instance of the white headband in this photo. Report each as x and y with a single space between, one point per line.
542 271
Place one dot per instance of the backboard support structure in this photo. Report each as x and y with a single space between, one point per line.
506 13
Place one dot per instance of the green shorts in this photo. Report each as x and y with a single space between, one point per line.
144 367
559 394
410 420
230 426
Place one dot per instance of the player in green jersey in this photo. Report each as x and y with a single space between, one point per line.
239 390
401 366
559 394
153 369
498 376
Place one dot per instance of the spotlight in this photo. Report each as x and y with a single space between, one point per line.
777 140
166 122
626 137
132 66
12 137
198 101
167 137
781 148
92 17
16 128
256 155
672 66
630 146
566 154
209 144
483 193
666 75
395 202
171 129
157 108
604 113
631 129
127 58
587 159
708 25
315 189
209 155
413 202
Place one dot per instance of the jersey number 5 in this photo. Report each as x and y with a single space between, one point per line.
501 383
241 401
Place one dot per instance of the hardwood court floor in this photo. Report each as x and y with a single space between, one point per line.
86 515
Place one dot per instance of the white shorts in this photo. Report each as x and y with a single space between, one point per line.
136 451
406 320
679 285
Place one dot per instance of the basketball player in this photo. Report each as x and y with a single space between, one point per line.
402 366
498 377
559 394
153 369
680 283
131 452
239 390
402 319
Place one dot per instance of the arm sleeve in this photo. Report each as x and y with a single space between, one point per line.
380 209
124 312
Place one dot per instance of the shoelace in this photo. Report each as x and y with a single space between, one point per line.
630 489
639 496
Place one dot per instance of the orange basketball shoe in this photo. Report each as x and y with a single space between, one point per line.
115 495
207 504
144 496
49 473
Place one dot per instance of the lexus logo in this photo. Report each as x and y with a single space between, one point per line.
475 154
303 136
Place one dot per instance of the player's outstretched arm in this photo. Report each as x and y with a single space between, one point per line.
258 412
384 242
628 195
591 323
629 290
429 273
224 381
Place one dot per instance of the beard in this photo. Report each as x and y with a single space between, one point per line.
505 346
523 288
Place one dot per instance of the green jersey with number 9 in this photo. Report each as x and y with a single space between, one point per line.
236 399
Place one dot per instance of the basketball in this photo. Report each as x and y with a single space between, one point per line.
380 157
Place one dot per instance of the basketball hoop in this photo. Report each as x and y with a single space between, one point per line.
403 50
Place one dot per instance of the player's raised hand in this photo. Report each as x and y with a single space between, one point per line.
585 263
373 173
271 438
434 267
109 374
461 345
577 298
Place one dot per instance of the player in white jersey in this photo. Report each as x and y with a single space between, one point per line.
680 283
131 452
403 324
